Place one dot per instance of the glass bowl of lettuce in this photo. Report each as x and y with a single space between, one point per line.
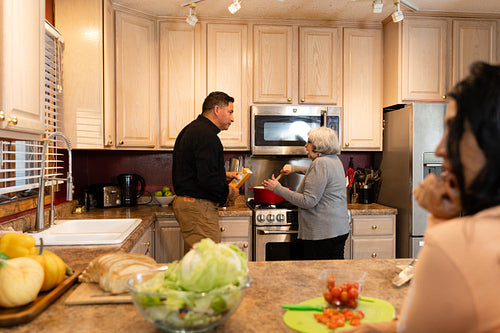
196 293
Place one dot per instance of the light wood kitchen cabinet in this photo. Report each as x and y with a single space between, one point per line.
169 245
88 75
473 40
237 230
416 53
227 71
277 58
373 237
362 120
22 69
146 244
179 65
136 81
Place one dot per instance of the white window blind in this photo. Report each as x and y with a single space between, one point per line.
20 161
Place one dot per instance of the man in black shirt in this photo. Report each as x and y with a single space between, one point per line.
199 178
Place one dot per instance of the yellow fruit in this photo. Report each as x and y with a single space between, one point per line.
53 267
20 281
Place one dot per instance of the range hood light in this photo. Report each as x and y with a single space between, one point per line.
235 6
192 19
377 6
398 14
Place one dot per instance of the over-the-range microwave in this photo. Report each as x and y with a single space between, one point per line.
282 129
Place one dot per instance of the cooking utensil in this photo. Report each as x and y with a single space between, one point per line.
263 196
279 176
405 275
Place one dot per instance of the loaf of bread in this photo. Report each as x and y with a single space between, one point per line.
110 270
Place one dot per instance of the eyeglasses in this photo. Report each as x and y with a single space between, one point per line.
309 141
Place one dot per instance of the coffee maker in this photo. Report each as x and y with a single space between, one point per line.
128 184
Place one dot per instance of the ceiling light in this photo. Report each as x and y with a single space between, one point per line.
192 19
377 6
398 14
235 6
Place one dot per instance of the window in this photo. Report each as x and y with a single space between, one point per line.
21 160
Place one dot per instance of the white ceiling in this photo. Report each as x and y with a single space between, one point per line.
343 10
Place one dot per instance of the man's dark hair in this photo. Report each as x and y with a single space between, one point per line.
478 104
216 98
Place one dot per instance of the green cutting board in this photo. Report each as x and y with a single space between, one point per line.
304 321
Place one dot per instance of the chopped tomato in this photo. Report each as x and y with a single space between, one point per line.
360 313
355 322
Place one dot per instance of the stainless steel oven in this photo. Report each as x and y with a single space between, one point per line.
282 129
275 230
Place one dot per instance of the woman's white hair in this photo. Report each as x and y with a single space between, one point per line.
324 140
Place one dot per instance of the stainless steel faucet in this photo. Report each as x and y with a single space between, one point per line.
40 218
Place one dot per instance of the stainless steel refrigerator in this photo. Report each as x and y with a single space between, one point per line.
411 134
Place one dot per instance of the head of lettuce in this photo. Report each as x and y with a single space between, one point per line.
204 287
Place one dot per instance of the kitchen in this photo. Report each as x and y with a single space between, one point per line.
146 147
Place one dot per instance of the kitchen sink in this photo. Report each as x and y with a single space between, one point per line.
87 232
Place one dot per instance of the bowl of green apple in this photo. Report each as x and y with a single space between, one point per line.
164 196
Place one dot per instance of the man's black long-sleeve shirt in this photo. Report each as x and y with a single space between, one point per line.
198 162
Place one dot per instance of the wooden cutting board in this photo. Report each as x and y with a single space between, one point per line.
91 293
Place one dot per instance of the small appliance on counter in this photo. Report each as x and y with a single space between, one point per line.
103 196
128 184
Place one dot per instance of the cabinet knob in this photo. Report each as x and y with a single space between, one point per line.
12 120
222 229
121 142
303 100
2 116
443 97
147 244
245 245
110 142
374 227
289 99
347 144
374 255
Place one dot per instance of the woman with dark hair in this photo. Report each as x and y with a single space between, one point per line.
321 197
456 283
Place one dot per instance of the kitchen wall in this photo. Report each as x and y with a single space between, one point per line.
103 166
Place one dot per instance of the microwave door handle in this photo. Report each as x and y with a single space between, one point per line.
323 117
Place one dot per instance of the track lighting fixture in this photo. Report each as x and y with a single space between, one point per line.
235 6
192 19
398 14
377 6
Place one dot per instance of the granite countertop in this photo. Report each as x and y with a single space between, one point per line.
274 283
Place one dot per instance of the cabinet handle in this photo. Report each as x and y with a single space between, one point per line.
374 227
121 142
245 245
12 120
374 255
289 99
2 116
303 100
222 229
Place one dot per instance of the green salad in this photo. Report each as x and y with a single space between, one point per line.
197 290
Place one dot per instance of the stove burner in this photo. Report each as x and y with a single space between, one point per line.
284 205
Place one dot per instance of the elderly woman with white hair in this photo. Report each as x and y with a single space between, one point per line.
321 197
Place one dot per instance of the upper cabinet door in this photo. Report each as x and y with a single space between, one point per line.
227 71
136 81
425 53
22 69
179 78
273 64
362 121
473 40
320 65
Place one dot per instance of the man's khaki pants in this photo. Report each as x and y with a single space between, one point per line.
198 219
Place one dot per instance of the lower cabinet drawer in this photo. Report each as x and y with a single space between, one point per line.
380 248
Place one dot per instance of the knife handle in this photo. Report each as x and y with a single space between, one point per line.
302 307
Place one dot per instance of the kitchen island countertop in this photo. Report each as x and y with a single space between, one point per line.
274 283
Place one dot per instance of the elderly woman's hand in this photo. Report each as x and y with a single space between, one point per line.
439 196
286 170
270 184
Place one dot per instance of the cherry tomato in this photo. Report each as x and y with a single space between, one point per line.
328 296
352 303
344 297
353 293
331 311
355 322
330 282
336 291
336 302
360 313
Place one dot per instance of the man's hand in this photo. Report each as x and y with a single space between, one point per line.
439 196
230 175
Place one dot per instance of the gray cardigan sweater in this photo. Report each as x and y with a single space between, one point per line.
321 198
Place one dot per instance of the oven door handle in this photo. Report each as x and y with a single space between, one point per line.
277 232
